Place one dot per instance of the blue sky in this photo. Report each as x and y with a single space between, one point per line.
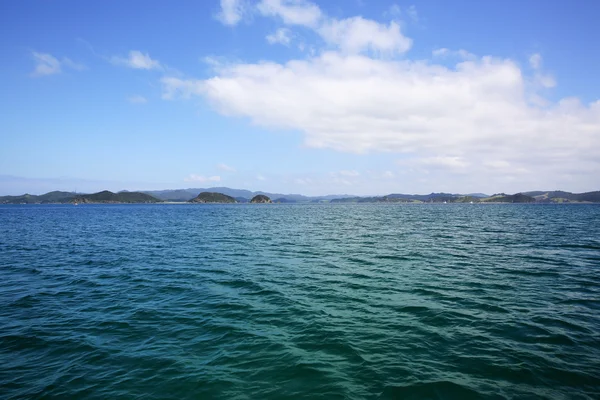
296 96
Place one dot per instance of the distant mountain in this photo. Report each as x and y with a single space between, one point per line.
51 197
507 198
110 197
439 198
558 196
188 194
429 198
69 197
475 195
212 197
244 196
179 195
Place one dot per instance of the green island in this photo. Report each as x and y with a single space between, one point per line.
261 198
212 197
223 195
58 197
539 197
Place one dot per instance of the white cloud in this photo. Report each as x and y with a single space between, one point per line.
137 99
281 36
445 162
446 119
47 64
352 35
461 54
412 13
261 178
468 117
395 12
356 34
535 60
136 60
231 12
200 178
177 87
540 79
440 52
292 12
388 175
500 164
545 80
225 167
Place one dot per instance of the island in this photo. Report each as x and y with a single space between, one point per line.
107 196
226 195
212 198
103 197
261 198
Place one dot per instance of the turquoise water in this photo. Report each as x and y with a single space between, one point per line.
300 301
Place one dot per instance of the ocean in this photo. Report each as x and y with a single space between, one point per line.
301 301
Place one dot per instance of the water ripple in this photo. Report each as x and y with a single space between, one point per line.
300 301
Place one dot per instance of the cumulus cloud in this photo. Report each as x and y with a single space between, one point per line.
445 162
281 36
176 87
136 60
47 64
291 12
232 12
470 117
137 99
201 178
395 12
461 54
449 117
358 34
353 35
540 79
225 167
535 60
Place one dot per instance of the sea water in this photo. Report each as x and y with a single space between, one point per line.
310 301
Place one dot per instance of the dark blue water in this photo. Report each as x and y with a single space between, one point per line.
300 301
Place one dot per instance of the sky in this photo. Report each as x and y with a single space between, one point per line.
362 97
